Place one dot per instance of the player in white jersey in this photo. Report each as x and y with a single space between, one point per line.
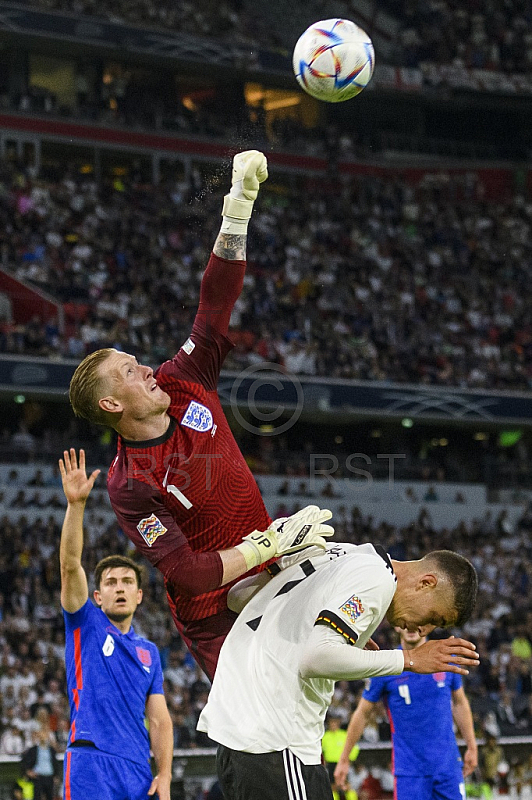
307 627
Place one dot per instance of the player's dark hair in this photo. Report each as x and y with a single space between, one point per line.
463 578
109 562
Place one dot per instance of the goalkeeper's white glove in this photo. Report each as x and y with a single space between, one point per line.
287 535
250 169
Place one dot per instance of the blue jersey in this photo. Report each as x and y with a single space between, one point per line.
420 713
109 678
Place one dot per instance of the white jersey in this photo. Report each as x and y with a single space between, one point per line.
259 702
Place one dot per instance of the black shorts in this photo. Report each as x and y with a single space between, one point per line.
270 776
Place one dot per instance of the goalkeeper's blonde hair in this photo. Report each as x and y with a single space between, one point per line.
87 387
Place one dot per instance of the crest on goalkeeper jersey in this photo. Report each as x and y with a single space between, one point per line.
198 417
352 608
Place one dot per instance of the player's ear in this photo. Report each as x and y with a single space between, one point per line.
97 597
429 580
139 596
110 404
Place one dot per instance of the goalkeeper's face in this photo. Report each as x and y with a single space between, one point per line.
132 388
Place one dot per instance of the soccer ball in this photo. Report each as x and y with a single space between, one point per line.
333 60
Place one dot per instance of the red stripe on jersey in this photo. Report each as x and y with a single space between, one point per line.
77 659
68 794
390 720
392 731
73 726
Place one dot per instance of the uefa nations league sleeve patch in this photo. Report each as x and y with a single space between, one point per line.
150 528
197 417
352 608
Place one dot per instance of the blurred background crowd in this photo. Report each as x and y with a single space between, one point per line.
370 278
488 35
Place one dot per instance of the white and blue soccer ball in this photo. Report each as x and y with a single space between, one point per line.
333 60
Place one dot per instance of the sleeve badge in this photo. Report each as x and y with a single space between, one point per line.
352 608
150 528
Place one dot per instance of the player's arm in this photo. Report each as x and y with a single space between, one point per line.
242 592
222 282
329 652
333 650
201 357
155 534
303 529
250 169
162 743
464 720
357 723
77 487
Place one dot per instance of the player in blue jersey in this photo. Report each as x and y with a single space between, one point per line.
426 760
114 677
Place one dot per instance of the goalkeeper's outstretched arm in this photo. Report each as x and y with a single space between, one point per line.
222 281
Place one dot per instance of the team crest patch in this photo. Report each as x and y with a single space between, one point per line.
439 677
144 656
197 417
352 608
150 528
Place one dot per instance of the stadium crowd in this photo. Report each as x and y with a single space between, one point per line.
370 277
487 35
32 677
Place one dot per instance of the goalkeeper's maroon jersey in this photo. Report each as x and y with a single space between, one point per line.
189 493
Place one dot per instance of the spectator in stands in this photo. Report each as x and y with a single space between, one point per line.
491 755
430 495
19 501
37 479
40 765
11 741
23 440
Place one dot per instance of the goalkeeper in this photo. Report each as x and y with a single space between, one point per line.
179 485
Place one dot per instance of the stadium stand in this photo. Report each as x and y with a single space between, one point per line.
492 36
427 284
